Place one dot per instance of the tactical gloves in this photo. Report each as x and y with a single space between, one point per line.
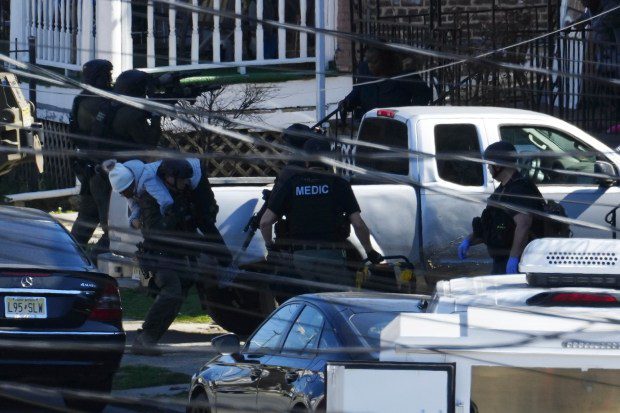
512 266
374 257
463 248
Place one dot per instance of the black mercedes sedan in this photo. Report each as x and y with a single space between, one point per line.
281 367
60 319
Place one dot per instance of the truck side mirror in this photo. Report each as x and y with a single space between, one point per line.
605 168
227 344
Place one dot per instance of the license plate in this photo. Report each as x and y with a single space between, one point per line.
136 273
25 307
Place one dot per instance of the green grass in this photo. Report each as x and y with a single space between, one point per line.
138 376
136 304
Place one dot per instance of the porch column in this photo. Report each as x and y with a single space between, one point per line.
113 33
20 23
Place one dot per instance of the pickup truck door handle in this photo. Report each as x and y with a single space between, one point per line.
256 373
291 377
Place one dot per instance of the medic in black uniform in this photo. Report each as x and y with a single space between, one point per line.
319 207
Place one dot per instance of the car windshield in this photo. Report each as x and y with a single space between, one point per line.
370 325
38 242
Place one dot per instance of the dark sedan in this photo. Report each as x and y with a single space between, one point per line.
281 367
60 319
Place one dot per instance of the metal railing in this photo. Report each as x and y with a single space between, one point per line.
580 94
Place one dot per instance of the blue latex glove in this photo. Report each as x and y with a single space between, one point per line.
463 248
512 266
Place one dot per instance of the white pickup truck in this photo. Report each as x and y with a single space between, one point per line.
426 217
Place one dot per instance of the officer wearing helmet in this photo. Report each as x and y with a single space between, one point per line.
505 228
95 189
124 127
172 244
319 207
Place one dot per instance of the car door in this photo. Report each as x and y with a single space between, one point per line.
284 374
454 189
560 164
236 386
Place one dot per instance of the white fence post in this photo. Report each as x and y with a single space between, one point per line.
47 30
172 35
238 37
65 35
195 35
281 31
150 34
260 35
303 36
216 32
56 29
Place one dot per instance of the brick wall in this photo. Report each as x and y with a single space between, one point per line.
343 46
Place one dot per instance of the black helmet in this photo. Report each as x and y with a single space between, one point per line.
98 73
297 134
176 168
501 151
133 83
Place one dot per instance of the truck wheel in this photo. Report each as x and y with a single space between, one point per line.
238 310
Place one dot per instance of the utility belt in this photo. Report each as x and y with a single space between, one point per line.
317 246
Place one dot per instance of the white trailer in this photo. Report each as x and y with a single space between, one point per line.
544 341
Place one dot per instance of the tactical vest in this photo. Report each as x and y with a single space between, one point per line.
314 213
103 128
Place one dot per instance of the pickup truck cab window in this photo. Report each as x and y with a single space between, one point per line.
552 152
455 139
383 131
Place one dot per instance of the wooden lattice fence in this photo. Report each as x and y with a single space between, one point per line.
233 158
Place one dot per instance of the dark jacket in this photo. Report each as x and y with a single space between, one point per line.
389 93
83 113
124 128
175 233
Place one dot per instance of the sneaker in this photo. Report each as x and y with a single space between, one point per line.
142 347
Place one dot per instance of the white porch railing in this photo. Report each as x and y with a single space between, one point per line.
70 32
63 29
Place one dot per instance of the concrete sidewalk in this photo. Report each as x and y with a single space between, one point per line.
186 347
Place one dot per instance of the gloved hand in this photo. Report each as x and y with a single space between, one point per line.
463 248
374 257
512 266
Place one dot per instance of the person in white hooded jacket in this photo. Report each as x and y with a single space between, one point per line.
132 178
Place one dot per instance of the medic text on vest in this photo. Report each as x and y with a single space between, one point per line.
311 190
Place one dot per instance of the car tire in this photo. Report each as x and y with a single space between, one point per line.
86 405
199 397
237 310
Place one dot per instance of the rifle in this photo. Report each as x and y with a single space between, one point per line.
252 226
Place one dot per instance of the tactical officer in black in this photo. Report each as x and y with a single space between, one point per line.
505 230
319 207
172 244
377 93
125 127
95 189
